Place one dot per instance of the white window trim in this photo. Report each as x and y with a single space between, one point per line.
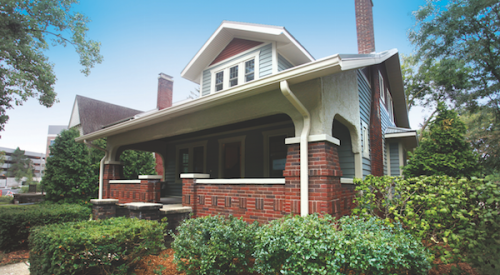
390 106
190 147
289 132
240 139
240 62
381 86
365 137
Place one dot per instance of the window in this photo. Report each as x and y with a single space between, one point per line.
191 158
366 142
390 106
275 151
232 157
381 86
239 71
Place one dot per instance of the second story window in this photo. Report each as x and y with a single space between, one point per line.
233 76
219 81
249 70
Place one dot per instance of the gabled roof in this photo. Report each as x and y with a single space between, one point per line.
286 44
93 114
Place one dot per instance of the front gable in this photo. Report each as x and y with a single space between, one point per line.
236 46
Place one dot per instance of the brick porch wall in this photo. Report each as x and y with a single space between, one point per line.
145 191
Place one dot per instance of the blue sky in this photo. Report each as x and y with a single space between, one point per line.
140 39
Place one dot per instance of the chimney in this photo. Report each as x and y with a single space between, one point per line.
364 26
165 88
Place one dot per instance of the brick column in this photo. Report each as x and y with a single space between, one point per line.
376 148
103 209
189 196
324 179
111 172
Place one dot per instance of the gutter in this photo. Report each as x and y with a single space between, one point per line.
306 128
101 165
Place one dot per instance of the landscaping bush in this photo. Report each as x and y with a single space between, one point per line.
321 245
6 199
214 245
111 246
458 219
16 220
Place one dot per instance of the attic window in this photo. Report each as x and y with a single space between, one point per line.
235 73
219 80
233 76
249 70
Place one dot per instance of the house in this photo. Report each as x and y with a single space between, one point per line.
274 130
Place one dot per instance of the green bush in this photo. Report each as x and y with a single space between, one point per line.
110 246
458 219
16 220
321 245
214 245
6 199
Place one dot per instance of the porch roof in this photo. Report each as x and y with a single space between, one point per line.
319 68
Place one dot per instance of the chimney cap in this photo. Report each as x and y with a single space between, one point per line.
165 76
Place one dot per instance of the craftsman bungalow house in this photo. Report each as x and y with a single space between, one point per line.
274 131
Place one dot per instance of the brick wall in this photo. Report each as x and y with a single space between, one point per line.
111 172
145 191
376 138
364 26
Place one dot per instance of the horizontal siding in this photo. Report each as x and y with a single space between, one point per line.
365 99
205 87
265 61
386 122
283 64
346 156
394 151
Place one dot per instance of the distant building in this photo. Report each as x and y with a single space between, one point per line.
37 160
54 131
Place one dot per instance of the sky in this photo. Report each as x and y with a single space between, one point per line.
140 39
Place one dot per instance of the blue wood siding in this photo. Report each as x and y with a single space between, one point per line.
386 122
365 99
394 148
205 83
283 64
266 61
346 156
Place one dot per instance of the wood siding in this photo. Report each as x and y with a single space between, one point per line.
236 46
265 61
365 99
283 64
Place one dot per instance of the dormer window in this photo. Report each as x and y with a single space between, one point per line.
237 72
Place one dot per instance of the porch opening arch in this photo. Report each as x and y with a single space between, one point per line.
346 149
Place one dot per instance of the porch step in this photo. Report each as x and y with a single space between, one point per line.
176 208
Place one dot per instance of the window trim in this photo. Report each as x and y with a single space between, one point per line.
289 132
390 106
366 143
381 86
223 141
190 146
240 62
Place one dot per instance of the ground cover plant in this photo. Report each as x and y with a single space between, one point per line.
17 220
457 219
112 246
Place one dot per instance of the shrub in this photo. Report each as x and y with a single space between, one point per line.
6 199
110 246
458 219
320 245
16 220
214 245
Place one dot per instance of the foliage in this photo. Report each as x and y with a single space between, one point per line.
25 189
463 31
444 150
16 220
26 27
457 219
6 199
112 246
321 245
68 175
483 132
214 245
135 162
2 158
20 165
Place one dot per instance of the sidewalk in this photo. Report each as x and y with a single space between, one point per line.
15 269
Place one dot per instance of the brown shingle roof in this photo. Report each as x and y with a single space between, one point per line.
94 114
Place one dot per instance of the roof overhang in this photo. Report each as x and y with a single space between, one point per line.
285 43
406 136
319 68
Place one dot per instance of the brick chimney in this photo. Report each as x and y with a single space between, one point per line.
364 26
165 89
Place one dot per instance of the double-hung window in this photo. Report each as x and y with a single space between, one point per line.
237 72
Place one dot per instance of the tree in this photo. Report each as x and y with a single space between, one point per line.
20 165
26 27
468 32
135 162
444 150
68 175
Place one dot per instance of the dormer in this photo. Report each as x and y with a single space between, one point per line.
238 53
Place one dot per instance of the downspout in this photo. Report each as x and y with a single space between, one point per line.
101 165
306 128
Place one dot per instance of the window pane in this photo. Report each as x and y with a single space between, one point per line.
232 160
233 76
219 79
198 159
249 70
183 161
277 156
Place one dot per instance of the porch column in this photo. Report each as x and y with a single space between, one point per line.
325 189
112 171
189 196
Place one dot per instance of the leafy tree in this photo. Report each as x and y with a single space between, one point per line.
20 165
468 32
135 162
2 158
68 175
26 27
444 150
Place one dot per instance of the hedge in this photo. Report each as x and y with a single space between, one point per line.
112 246
17 220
